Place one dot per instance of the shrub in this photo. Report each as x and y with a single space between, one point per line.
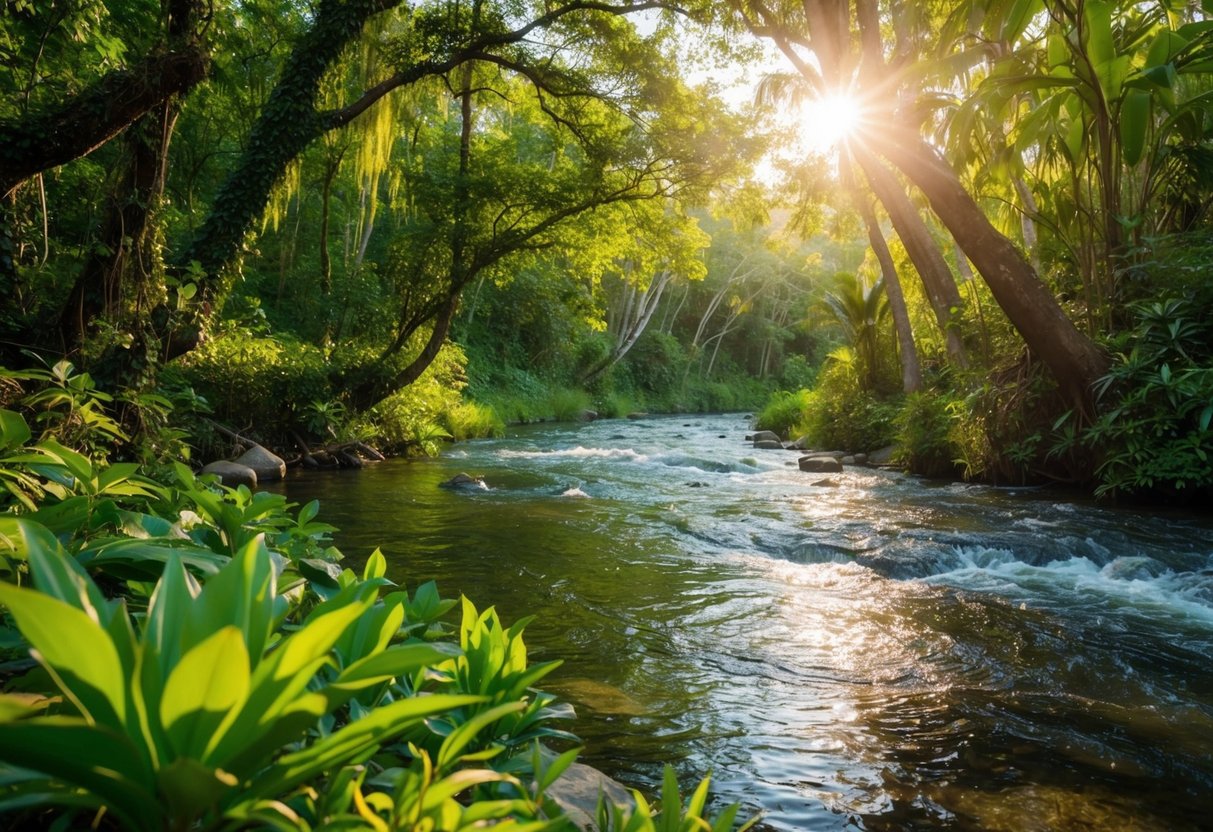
925 428
468 420
567 405
840 414
783 411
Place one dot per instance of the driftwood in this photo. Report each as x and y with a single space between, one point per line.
340 455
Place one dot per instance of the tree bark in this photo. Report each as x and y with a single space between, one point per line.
911 370
53 137
1075 360
928 260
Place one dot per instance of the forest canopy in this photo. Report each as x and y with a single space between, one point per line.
999 222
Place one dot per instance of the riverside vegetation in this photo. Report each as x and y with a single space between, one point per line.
400 224
180 655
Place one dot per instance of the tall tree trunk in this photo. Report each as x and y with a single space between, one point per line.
911 371
928 260
1075 360
120 259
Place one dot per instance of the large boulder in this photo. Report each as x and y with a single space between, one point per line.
820 465
769 444
269 467
588 416
764 436
232 473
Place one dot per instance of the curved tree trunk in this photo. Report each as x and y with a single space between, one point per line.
928 260
1074 359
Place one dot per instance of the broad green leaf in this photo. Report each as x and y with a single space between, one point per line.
465 732
144 560
204 691
19 536
92 757
75 649
14 432
376 566
392 663
240 595
381 726
80 466
1097 15
1134 125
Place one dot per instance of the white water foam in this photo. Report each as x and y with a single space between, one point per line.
1131 584
577 453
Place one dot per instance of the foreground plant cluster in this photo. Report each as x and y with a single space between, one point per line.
179 655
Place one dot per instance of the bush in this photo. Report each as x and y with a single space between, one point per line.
925 427
567 405
839 414
783 411
1153 433
468 420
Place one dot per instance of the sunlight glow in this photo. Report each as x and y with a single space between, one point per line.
825 122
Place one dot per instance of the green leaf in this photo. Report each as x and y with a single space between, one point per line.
348 744
75 649
1098 18
204 691
92 757
376 566
14 432
18 537
393 663
1134 125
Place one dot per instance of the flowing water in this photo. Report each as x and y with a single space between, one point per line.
863 650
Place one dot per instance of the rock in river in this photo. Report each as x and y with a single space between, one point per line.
465 482
820 465
269 467
232 473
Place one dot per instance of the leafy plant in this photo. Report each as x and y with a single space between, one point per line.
190 714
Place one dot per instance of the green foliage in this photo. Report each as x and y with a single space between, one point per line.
783 411
261 381
469 420
840 414
927 434
567 405
1155 428
670 814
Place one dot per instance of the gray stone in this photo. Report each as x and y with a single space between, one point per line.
820 465
588 415
232 473
578 789
801 444
764 436
826 483
465 482
269 467
884 456
847 460
638 414
769 444
861 459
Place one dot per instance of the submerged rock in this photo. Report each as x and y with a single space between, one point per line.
232 473
578 790
768 445
465 482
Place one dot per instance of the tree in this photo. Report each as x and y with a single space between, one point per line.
853 57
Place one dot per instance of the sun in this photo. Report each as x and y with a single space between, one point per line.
826 121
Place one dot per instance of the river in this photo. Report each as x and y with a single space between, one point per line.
863 650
